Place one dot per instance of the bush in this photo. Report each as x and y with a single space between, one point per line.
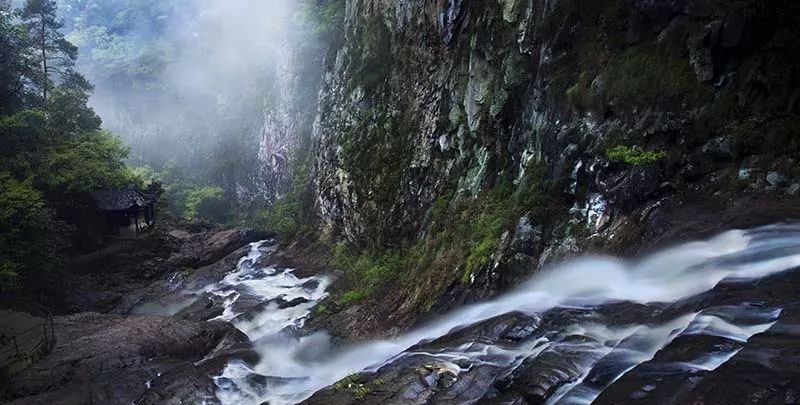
325 18
24 231
205 202
353 296
634 155
646 74
283 218
367 270
290 215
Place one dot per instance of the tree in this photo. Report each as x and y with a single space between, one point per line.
54 53
15 68
53 153
25 226
69 114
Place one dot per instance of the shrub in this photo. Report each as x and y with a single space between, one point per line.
290 216
357 384
634 155
367 270
204 202
353 296
645 74
282 218
325 18
25 231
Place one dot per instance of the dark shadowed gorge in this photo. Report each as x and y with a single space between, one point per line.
399 202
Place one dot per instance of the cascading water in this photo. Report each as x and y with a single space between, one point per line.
295 367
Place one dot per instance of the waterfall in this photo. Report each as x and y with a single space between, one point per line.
297 366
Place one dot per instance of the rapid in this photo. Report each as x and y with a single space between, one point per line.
603 341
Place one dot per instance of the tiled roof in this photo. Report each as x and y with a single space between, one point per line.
123 199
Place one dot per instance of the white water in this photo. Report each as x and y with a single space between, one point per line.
268 285
303 365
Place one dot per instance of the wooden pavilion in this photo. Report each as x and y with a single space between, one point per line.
124 206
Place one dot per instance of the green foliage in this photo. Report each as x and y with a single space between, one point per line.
92 161
496 214
533 193
116 37
283 217
634 155
51 51
321 309
67 106
358 385
461 234
646 74
24 226
325 18
372 58
289 216
368 271
202 203
376 158
352 297
52 151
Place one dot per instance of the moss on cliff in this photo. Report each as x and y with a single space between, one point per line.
370 54
651 74
461 234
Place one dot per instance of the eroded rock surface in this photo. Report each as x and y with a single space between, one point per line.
115 359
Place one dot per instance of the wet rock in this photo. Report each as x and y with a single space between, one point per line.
206 307
109 358
638 184
776 179
719 148
251 311
311 285
527 237
701 45
762 372
511 325
746 173
520 331
668 373
179 234
732 31
169 288
538 378
203 249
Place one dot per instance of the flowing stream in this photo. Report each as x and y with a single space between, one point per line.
293 367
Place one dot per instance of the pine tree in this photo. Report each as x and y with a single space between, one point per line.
54 54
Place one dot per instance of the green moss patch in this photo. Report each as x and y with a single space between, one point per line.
635 155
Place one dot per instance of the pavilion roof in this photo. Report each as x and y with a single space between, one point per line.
124 198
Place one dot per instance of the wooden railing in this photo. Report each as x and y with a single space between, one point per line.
27 346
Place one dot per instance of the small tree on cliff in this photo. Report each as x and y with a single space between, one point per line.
53 53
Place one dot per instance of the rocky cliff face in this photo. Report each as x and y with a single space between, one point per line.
570 125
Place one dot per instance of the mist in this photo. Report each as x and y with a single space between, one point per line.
191 85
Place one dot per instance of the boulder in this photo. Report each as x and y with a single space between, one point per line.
776 179
204 249
207 306
719 148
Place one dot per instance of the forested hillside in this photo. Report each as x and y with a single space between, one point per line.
54 152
